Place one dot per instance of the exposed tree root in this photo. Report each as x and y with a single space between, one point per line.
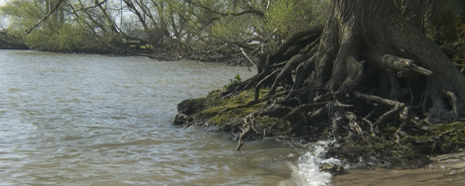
247 125
368 77
348 86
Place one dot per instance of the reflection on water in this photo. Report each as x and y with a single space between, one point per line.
94 120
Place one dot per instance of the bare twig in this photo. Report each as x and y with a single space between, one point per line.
377 99
249 10
397 105
373 130
52 11
400 131
89 7
248 58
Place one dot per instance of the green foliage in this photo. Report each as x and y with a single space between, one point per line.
191 26
291 16
233 28
22 14
236 79
65 38
280 15
52 35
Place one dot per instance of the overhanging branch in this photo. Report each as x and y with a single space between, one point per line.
52 11
250 10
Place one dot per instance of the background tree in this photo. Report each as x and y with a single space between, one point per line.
196 29
65 30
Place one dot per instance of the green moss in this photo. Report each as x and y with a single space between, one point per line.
225 110
228 113
436 139
459 125
272 126
448 137
409 151
377 152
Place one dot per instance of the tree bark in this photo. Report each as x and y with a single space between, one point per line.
371 31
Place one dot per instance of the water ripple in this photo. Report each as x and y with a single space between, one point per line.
93 120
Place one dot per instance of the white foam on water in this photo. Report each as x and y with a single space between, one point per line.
307 170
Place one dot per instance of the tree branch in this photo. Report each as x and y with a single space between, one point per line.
89 7
399 64
52 11
250 10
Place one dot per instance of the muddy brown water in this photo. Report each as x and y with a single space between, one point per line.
69 119
447 171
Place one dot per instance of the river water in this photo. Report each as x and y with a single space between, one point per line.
69 119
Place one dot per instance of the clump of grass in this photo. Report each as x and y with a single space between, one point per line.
234 80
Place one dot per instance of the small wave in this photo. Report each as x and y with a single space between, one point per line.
307 170
146 142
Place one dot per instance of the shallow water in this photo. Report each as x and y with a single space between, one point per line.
68 119
450 172
93 120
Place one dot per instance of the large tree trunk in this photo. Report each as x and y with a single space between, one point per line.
371 31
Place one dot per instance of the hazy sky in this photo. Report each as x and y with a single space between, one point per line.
3 21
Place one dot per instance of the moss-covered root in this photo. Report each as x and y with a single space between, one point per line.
234 114
411 151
